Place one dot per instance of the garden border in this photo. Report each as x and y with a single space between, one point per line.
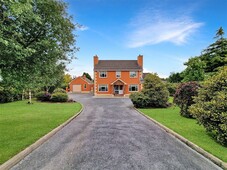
21 155
211 157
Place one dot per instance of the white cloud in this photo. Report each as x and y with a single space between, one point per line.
83 28
152 27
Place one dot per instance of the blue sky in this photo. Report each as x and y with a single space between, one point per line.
166 32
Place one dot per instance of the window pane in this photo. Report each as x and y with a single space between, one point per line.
133 88
102 74
118 74
103 88
133 74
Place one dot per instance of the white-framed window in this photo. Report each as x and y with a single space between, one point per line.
133 74
102 74
118 74
133 87
103 87
85 86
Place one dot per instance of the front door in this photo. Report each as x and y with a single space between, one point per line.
118 89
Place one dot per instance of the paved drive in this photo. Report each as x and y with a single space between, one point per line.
110 134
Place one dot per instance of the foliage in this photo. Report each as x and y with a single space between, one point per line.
188 128
210 108
139 100
59 97
59 90
21 125
67 80
8 94
43 96
172 87
156 91
175 77
215 55
36 41
194 70
87 76
184 97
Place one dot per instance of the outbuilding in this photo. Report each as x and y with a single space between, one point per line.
81 84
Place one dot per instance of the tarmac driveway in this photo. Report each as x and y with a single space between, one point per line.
110 134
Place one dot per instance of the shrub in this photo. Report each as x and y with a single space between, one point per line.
8 94
172 87
139 100
156 91
59 97
210 108
43 96
59 90
184 97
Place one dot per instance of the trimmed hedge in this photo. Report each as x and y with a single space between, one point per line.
59 90
139 100
59 97
43 96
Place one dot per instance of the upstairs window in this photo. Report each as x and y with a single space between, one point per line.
102 74
118 74
133 74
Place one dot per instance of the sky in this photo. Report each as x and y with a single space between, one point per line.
166 32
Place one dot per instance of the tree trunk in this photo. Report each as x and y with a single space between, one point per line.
22 97
30 96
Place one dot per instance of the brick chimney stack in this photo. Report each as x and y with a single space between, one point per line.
140 60
96 60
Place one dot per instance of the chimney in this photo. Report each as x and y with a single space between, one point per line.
140 60
96 60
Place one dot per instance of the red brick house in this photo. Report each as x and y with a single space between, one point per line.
81 84
117 77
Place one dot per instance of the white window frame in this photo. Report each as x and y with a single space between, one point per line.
131 72
136 87
103 85
118 74
102 72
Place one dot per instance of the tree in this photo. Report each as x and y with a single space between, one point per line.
184 97
67 80
36 40
87 76
215 55
210 108
175 77
194 70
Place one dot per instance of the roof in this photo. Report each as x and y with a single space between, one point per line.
117 65
84 79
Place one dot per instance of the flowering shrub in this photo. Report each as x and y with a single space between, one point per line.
43 96
210 108
184 97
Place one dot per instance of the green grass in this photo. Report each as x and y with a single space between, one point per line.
22 124
188 128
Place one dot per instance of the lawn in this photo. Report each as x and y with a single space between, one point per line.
22 124
188 128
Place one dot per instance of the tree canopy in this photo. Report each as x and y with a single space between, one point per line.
36 42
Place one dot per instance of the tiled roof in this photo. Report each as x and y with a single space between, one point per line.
115 65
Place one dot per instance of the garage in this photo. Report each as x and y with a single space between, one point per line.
77 88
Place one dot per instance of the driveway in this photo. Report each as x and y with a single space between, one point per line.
110 134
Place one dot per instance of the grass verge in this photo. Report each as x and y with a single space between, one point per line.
188 128
22 124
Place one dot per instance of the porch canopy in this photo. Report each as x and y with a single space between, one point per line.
118 82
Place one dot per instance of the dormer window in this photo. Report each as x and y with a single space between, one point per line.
102 74
133 74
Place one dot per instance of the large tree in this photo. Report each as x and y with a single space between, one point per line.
36 40
215 55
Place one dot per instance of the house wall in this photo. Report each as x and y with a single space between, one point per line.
111 77
82 82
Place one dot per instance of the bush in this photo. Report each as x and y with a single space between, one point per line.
59 90
59 97
210 108
156 91
139 100
43 96
8 94
184 97
172 87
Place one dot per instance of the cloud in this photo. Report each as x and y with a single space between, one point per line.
153 27
83 28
